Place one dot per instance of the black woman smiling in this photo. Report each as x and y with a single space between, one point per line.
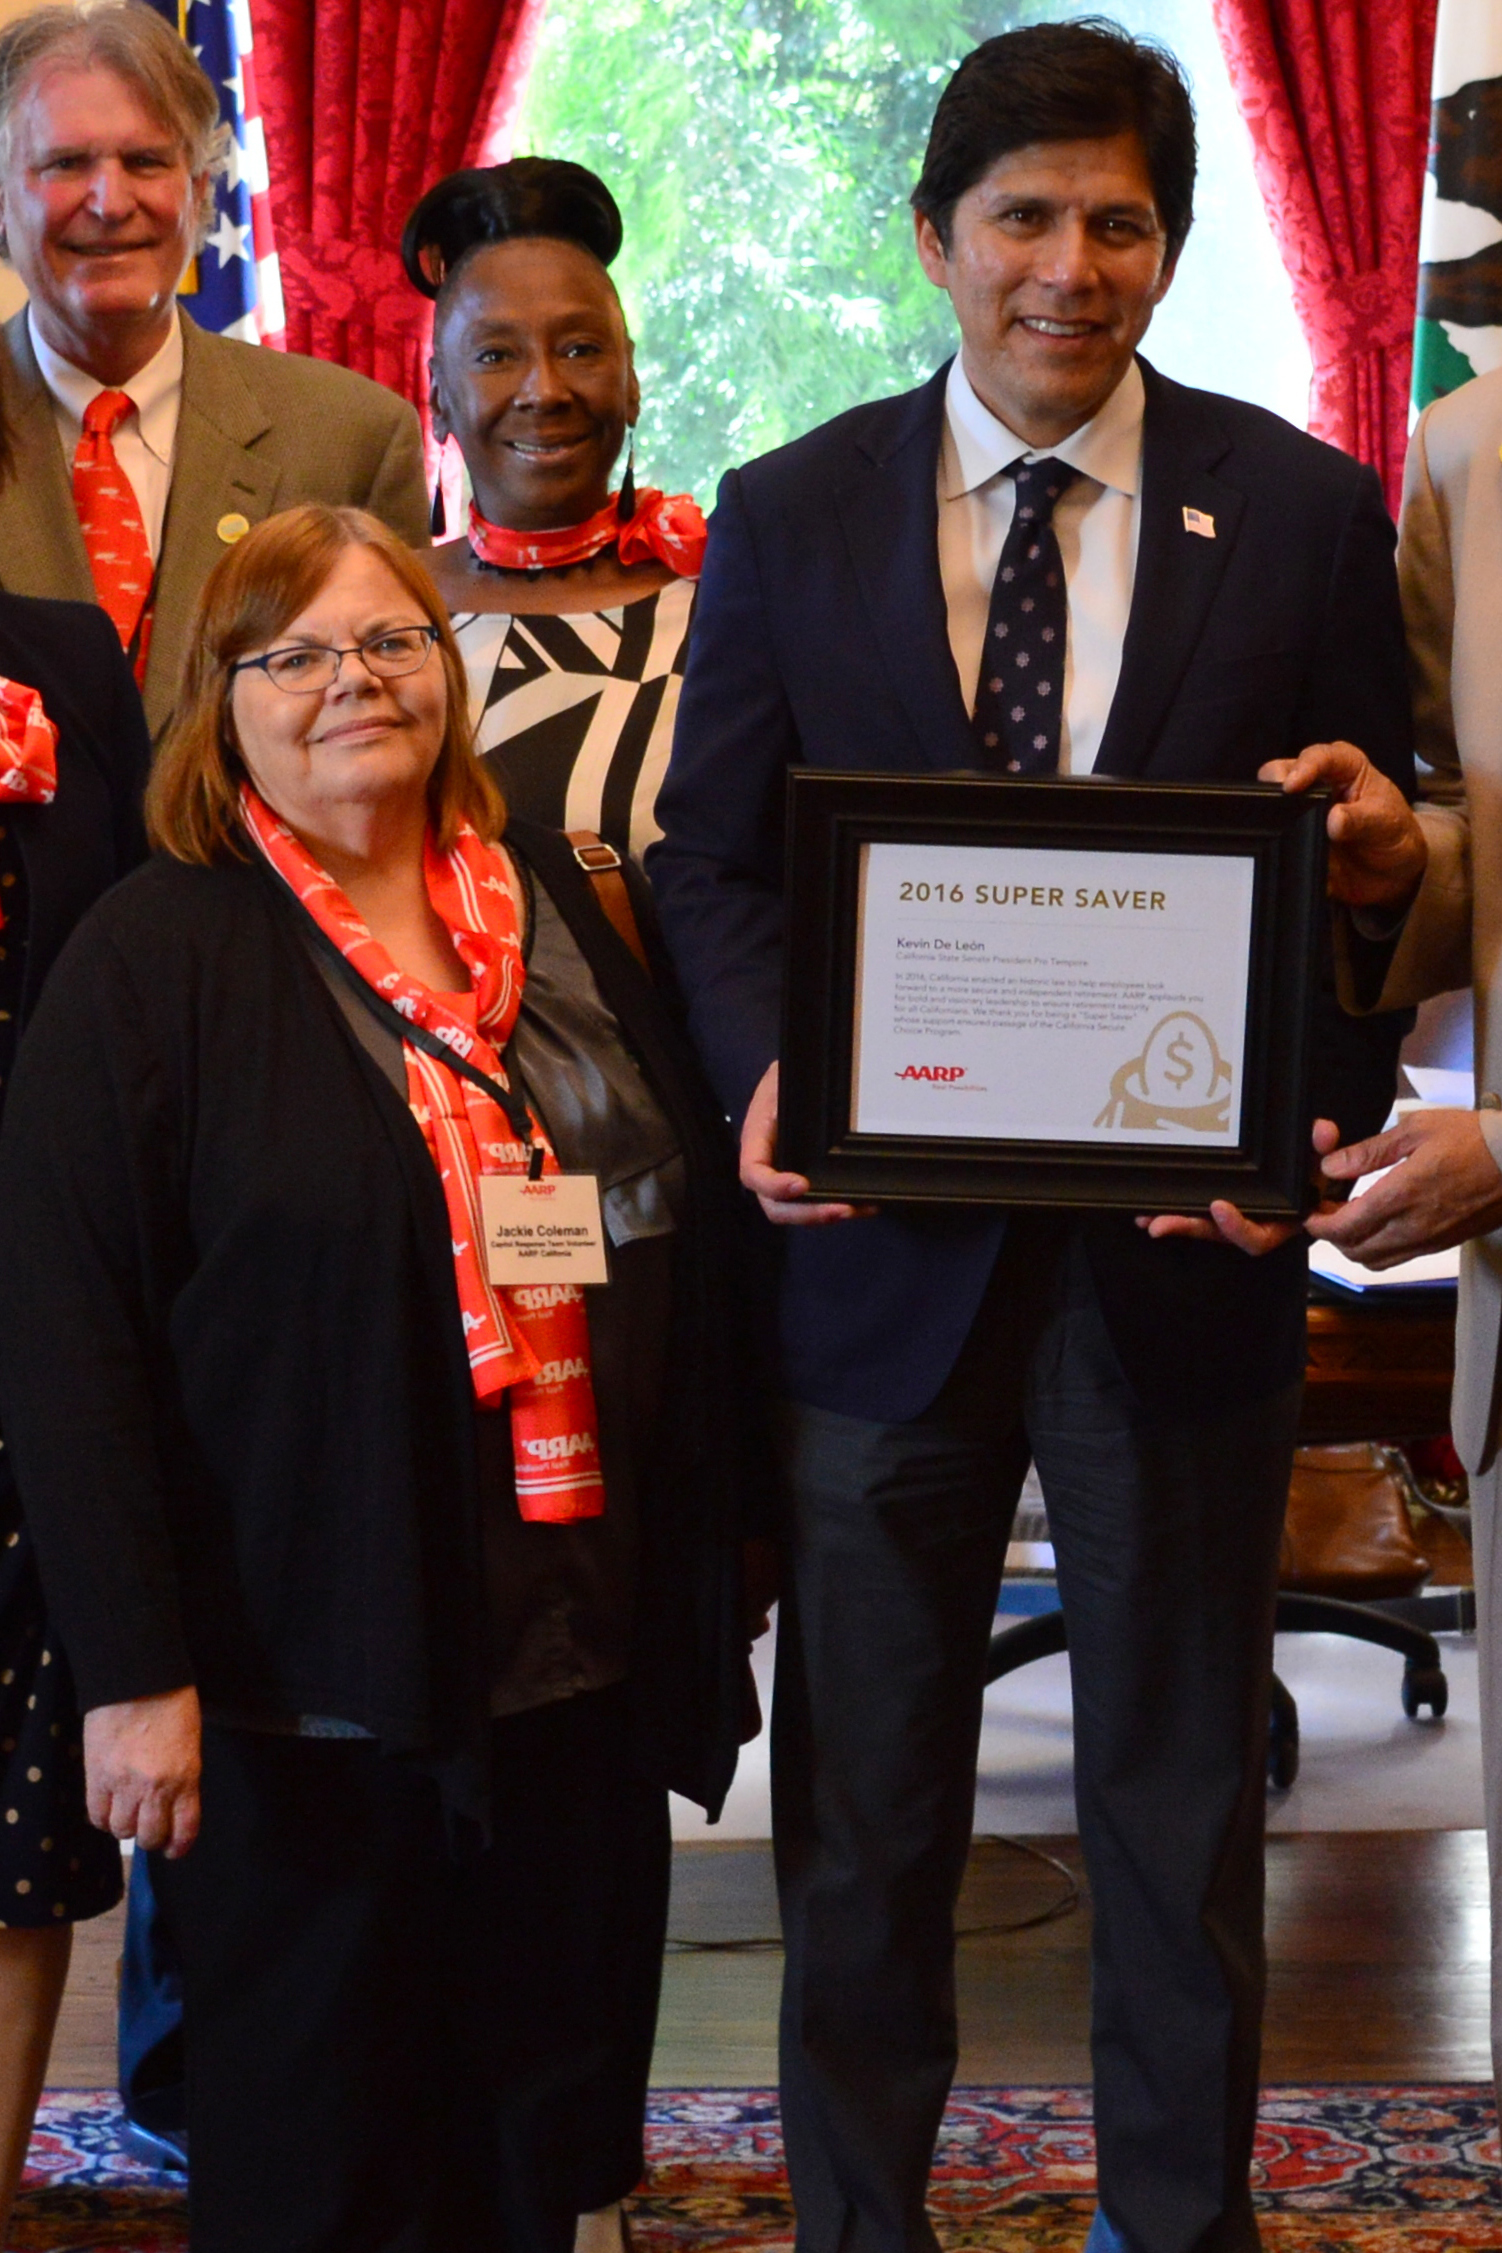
570 603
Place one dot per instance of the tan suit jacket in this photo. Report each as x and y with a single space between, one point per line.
257 432
1450 565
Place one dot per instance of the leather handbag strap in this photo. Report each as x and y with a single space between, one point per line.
601 863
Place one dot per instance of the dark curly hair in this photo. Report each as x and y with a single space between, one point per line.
1080 81
532 195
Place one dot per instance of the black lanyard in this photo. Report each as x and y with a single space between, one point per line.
419 1037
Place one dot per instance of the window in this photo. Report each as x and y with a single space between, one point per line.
762 152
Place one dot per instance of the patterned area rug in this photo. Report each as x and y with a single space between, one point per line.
1338 2171
81 2192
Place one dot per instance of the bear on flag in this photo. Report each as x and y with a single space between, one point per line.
1459 329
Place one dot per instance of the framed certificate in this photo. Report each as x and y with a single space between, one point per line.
1089 994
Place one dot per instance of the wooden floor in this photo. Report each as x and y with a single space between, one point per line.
83 2049
1377 1944
1378 1948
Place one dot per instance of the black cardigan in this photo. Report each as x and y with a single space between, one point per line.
233 1373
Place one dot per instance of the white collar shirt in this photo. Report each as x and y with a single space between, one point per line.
145 441
1097 521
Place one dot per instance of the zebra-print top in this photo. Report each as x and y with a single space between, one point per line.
575 713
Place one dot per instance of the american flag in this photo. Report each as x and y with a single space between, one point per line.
234 285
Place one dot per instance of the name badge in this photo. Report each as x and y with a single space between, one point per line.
547 1231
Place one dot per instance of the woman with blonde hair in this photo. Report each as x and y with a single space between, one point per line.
401 1575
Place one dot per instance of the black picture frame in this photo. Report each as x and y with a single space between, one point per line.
831 816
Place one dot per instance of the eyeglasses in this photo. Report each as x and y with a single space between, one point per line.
311 668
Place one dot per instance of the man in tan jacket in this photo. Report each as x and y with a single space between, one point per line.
1446 1186
109 137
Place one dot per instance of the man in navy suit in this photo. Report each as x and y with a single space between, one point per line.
1048 558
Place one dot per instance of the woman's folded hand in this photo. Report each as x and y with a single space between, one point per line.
141 1769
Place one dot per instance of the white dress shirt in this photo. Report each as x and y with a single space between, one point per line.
1097 520
145 440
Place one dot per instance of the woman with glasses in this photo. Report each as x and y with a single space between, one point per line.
570 601
367 1245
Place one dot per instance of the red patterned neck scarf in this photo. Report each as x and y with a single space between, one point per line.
669 526
28 746
530 1342
28 749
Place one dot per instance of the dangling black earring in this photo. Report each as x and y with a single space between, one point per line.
626 507
438 522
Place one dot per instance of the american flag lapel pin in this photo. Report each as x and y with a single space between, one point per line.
1197 520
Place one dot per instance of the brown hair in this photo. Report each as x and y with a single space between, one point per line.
252 594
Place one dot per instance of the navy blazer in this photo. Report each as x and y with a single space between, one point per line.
91 834
821 637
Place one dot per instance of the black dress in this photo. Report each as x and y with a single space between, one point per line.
55 1867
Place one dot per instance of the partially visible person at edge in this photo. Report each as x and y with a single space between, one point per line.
1049 559
570 602
73 760
397 1597
144 444
1434 871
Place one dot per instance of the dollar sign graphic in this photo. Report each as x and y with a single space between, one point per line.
1180 1066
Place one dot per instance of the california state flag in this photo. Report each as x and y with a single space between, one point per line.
1459 330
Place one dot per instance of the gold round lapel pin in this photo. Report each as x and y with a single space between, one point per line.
232 527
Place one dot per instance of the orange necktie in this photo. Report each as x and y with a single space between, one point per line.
110 521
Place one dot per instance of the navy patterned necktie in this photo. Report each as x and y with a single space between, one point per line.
1019 697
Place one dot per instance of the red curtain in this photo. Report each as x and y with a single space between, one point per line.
367 103
1336 94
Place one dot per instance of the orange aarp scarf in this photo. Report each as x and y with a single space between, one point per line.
28 746
669 526
529 1341
28 749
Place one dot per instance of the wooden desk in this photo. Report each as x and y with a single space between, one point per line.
1378 1370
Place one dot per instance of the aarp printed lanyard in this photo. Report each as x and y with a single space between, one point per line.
538 1228
510 1102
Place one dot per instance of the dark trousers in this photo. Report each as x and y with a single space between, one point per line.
1166 1535
393 2051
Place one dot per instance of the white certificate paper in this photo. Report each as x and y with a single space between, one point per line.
1053 996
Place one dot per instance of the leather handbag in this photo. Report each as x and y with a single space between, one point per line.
1347 1531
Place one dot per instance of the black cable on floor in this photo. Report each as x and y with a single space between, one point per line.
1064 1905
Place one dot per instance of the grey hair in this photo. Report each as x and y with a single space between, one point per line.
138 45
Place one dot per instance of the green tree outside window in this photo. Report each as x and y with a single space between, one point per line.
763 152
762 156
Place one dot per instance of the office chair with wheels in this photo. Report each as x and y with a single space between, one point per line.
1373 1367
